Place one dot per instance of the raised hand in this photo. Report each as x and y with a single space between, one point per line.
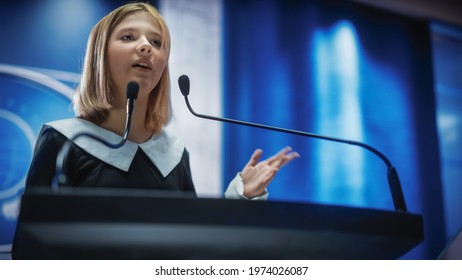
257 175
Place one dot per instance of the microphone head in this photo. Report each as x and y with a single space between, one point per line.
183 82
132 90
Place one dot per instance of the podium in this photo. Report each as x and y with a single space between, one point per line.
85 223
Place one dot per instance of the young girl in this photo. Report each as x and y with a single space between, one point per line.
132 43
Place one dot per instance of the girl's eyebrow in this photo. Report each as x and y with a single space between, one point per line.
131 29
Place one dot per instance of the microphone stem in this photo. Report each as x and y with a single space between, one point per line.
291 131
393 179
128 122
61 159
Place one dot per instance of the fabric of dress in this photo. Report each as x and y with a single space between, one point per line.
161 163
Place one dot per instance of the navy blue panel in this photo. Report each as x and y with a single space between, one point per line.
342 70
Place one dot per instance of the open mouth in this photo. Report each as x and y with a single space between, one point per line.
142 66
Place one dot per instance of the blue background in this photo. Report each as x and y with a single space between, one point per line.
335 68
342 70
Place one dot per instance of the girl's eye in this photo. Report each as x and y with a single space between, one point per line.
156 43
126 37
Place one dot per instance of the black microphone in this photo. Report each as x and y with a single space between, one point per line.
131 93
61 160
392 174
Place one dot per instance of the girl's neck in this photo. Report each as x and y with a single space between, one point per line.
138 131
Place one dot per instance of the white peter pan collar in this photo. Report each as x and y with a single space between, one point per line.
164 150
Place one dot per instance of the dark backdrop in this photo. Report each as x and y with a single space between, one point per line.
343 70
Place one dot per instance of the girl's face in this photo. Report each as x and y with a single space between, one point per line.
135 54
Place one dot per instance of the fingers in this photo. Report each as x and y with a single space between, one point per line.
270 175
255 158
257 175
283 157
277 161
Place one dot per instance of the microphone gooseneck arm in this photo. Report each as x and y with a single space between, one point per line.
61 159
392 175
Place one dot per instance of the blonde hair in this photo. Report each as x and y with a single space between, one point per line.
94 95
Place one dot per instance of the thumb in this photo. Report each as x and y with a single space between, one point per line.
255 158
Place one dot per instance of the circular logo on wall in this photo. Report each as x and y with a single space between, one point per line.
29 98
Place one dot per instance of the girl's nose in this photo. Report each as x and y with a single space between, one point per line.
144 49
